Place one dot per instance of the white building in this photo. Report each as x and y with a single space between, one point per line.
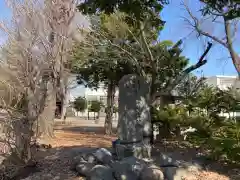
223 82
90 94
99 94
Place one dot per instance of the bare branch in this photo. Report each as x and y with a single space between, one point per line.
182 76
196 25
30 62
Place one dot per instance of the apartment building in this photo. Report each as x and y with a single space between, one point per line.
223 82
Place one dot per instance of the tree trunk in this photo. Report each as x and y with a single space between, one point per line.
109 110
46 120
64 93
229 46
64 106
23 130
23 134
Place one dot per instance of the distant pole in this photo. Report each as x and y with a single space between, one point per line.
87 109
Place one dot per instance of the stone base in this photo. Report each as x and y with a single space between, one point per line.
140 151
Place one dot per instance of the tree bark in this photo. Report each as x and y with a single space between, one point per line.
109 110
46 119
229 45
63 92
23 136
64 105
23 131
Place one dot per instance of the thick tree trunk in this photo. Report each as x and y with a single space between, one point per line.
23 134
109 110
46 120
23 130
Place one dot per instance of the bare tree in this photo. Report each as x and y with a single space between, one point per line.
73 35
32 66
58 16
230 30
24 88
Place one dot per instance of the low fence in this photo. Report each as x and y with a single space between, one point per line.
231 115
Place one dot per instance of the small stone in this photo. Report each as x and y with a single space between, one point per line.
152 172
77 160
128 169
165 160
91 158
84 168
174 173
100 172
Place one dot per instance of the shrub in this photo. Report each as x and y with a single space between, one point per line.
220 136
115 109
95 106
169 119
80 104
225 142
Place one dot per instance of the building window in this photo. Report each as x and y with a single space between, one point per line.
92 98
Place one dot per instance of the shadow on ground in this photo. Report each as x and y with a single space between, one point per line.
184 153
56 163
85 129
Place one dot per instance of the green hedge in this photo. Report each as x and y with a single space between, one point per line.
219 135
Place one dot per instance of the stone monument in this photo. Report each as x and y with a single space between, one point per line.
134 121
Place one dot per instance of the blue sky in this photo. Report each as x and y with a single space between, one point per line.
219 62
175 29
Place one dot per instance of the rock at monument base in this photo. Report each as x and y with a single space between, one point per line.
91 159
181 170
83 157
151 172
100 172
103 156
77 160
128 169
175 173
84 168
165 160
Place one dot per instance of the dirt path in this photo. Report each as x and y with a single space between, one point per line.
69 141
55 163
